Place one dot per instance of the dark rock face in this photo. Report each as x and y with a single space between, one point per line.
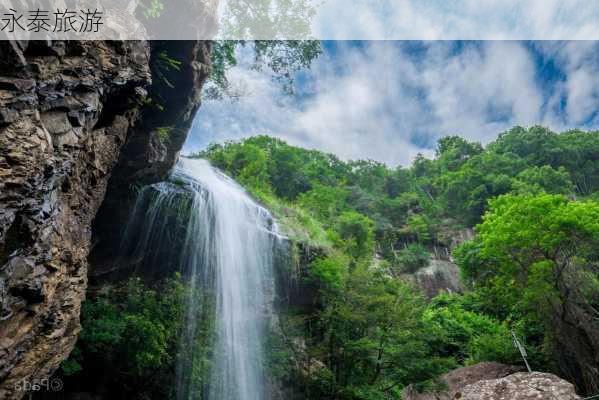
69 111
441 274
292 273
55 160
153 145
576 331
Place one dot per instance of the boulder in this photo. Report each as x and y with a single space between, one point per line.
439 276
520 386
454 381
495 381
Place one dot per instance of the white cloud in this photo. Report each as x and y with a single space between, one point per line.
581 61
482 90
579 88
382 101
458 19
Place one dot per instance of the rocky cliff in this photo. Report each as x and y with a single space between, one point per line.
76 118
441 274
153 146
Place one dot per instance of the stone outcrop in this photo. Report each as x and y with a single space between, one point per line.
576 330
69 113
494 381
454 381
58 143
439 276
521 386
153 145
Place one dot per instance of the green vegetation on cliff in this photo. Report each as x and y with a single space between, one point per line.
531 268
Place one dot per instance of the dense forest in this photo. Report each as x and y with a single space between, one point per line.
531 196
531 268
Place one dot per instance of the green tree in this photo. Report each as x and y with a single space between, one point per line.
373 340
456 331
535 180
453 151
574 150
325 202
537 145
267 19
250 166
418 228
369 175
412 257
532 243
357 232
466 191
283 58
535 259
130 340
330 271
521 232
287 177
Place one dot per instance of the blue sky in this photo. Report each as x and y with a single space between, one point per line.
389 100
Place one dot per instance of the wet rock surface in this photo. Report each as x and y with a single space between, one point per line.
295 289
441 274
152 147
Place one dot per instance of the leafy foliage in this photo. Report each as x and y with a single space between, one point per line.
268 19
373 335
455 329
356 234
413 257
534 260
411 205
282 58
531 269
373 340
131 338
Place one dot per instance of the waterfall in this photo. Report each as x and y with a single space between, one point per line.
223 242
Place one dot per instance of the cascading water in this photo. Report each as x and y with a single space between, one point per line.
225 242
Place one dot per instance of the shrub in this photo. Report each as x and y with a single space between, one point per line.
357 232
131 337
413 257
465 334
329 271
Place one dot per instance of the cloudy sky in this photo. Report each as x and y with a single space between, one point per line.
456 19
388 101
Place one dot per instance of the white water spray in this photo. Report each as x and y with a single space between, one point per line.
207 226
241 250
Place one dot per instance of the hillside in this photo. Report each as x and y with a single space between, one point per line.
532 198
